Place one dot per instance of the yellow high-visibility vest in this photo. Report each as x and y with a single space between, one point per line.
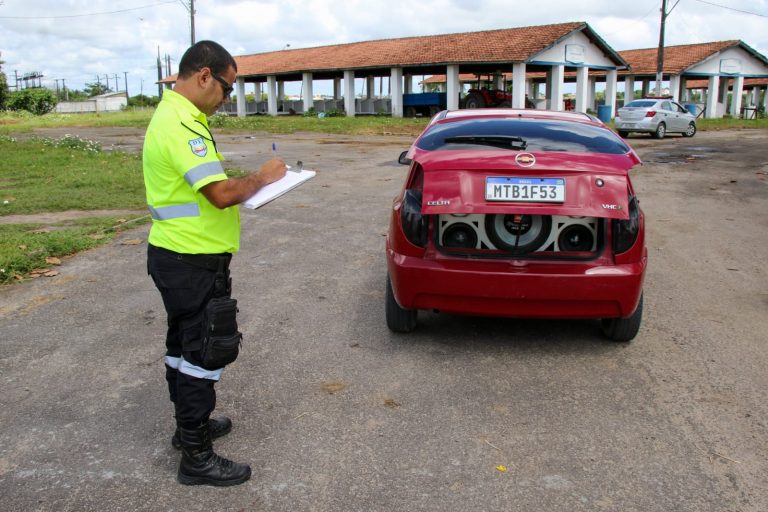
180 158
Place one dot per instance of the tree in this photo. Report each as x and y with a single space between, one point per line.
3 86
36 100
96 88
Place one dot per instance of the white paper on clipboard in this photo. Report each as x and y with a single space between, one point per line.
290 181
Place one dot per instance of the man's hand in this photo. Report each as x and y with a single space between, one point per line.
232 191
272 171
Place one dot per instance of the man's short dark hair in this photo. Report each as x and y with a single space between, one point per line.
205 54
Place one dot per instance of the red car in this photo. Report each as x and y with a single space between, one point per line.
518 213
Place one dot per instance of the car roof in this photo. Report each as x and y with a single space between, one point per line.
579 117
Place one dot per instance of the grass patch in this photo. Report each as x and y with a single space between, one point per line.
45 175
25 247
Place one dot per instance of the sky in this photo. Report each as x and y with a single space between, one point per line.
73 41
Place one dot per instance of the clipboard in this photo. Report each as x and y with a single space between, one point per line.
291 180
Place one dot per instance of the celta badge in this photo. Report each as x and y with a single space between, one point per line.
198 146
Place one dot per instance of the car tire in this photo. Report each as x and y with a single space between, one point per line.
624 329
409 112
398 319
474 101
661 130
690 131
623 134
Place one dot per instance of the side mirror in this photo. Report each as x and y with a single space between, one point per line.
402 159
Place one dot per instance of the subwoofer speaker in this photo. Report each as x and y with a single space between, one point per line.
534 233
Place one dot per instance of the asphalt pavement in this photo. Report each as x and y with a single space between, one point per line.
336 413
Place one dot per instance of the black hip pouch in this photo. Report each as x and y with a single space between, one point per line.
221 339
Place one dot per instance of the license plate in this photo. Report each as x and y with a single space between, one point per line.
540 190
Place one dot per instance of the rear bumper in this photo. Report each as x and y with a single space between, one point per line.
641 125
517 289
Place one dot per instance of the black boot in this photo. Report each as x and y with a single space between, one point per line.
201 466
218 427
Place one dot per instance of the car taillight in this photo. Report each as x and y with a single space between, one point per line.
413 222
625 231
650 113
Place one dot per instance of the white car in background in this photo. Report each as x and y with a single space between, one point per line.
657 116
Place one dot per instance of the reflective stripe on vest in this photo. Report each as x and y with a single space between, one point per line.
195 174
173 362
175 211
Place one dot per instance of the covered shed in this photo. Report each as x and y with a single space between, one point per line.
718 63
548 49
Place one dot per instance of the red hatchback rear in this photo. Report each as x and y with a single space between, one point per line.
518 213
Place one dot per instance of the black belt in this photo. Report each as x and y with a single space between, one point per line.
214 262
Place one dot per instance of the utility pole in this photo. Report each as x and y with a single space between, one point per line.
660 54
192 20
125 74
117 84
159 75
66 92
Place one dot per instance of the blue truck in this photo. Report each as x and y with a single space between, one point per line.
425 103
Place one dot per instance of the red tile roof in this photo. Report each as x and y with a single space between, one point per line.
676 58
491 46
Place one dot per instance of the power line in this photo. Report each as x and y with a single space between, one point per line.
84 15
733 9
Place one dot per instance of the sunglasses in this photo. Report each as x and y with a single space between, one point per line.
226 88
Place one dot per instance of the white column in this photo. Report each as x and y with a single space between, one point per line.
272 95
611 80
738 89
591 89
684 93
240 81
558 84
408 84
518 85
674 87
646 87
280 91
349 93
498 80
724 86
712 95
765 100
452 87
582 89
535 94
629 88
337 88
548 90
396 91
306 87
370 86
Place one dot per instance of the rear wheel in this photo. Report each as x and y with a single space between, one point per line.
474 101
623 134
624 329
690 131
398 319
409 112
661 130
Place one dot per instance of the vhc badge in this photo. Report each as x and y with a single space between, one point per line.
198 146
525 159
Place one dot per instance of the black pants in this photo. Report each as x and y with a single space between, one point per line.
186 283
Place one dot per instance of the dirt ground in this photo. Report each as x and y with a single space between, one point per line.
335 413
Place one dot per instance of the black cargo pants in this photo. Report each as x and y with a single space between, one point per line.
186 283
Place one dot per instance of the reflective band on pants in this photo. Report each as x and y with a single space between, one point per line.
175 211
188 368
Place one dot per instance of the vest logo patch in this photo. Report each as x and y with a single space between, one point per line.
198 146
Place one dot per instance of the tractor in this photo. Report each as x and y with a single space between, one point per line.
482 94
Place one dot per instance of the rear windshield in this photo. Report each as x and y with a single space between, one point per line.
539 135
641 103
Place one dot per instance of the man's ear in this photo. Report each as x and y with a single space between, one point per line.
204 76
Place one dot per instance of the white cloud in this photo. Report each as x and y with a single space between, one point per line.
78 48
